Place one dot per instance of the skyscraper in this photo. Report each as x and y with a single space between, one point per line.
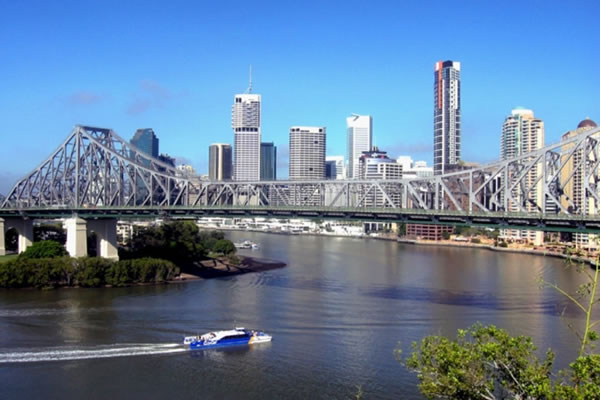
307 152
146 141
219 162
446 115
575 185
360 138
334 167
523 133
245 121
268 161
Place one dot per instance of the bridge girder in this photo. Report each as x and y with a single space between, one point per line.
94 167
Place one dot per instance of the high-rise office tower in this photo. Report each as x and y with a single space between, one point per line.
219 162
268 161
523 133
146 141
334 167
575 185
446 115
307 152
245 121
360 138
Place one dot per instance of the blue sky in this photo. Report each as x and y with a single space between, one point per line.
175 67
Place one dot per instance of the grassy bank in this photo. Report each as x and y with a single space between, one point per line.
8 257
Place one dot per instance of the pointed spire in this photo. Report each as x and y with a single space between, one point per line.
250 81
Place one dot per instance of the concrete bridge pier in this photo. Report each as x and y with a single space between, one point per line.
76 236
2 238
23 226
106 236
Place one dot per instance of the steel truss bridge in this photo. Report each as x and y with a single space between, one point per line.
95 173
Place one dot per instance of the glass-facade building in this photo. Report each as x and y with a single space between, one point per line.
219 162
268 161
146 141
446 115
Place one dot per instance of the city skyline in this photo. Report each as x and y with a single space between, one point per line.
131 77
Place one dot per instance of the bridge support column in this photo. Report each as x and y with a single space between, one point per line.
2 238
76 237
25 235
106 233
25 229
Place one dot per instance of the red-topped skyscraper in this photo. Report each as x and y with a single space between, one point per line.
446 115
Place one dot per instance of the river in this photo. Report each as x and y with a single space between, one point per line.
336 312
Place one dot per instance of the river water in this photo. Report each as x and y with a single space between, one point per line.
336 312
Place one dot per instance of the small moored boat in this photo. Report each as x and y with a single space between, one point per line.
234 337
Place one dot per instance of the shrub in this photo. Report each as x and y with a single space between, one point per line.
85 272
234 260
44 249
224 246
119 273
476 240
502 244
91 271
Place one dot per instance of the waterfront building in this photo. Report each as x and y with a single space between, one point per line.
574 189
146 141
446 115
523 133
360 138
245 121
219 162
414 169
428 231
334 167
307 152
376 165
186 169
268 161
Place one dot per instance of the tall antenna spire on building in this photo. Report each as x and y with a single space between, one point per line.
250 83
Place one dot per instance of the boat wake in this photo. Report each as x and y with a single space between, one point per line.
117 350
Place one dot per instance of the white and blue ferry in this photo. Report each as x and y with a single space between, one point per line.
234 337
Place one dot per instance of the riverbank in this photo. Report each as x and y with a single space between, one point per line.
448 243
321 234
220 267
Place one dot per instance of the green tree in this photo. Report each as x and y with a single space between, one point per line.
91 271
225 247
44 249
49 232
402 229
483 362
177 241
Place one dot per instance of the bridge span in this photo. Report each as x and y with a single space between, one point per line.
96 177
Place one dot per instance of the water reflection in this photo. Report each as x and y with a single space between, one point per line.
336 313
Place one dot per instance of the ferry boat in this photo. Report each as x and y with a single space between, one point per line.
236 336
246 244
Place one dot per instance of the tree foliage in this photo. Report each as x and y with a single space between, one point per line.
84 272
44 249
49 232
224 246
179 241
483 362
